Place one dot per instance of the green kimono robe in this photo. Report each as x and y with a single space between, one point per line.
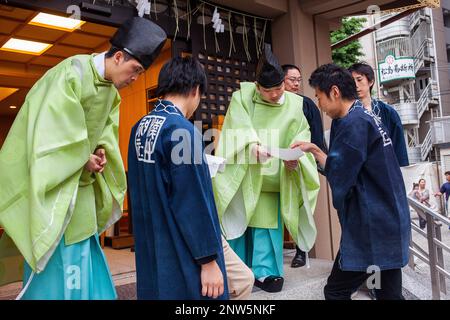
46 193
248 194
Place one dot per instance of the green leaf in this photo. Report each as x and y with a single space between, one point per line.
349 54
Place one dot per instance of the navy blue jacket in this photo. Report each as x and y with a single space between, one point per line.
175 221
391 120
368 193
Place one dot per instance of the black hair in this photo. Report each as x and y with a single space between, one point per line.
447 173
421 180
287 67
112 51
180 76
329 75
365 70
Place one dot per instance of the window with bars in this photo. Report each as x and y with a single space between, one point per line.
224 77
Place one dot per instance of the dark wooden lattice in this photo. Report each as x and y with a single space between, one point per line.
224 76
224 72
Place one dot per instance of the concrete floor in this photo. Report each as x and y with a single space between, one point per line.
300 283
418 281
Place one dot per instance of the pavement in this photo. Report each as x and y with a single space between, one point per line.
305 283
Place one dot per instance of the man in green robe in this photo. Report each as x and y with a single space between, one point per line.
63 180
257 193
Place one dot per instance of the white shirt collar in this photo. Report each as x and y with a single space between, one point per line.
281 101
99 62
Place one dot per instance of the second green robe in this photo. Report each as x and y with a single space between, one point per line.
248 194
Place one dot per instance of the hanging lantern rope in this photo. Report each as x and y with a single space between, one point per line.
245 40
156 12
217 43
255 30
232 11
232 46
204 33
189 18
190 13
177 20
215 38
263 37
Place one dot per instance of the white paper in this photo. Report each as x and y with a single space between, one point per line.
285 154
215 164
327 138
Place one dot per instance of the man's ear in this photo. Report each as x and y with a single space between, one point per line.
194 91
335 92
118 57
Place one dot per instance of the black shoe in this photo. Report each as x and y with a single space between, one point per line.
299 259
270 284
422 223
372 294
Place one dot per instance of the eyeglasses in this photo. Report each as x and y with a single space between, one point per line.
292 79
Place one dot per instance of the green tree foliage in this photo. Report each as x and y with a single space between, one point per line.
349 54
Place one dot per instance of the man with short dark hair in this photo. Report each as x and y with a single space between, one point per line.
445 189
368 191
63 175
179 252
292 79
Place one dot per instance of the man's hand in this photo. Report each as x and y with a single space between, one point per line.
101 153
97 161
305 146
318 154
290 164
212 280
260 153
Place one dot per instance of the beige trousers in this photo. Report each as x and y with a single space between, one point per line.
240 277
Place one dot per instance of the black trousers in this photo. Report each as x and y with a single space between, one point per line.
341 284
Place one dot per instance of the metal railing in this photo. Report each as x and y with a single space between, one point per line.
426 146
424 99
418 16
420 42
415 17
435 255
420 35
419 60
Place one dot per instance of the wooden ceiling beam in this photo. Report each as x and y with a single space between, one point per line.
20 70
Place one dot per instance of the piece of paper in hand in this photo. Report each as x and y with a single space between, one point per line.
285 154
215 164
326 135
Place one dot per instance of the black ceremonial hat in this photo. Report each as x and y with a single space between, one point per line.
141 38
269 73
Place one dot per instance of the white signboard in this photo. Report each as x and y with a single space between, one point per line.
396 68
